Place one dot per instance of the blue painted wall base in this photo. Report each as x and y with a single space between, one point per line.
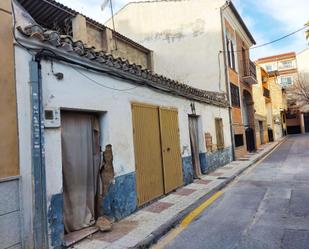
121 199
187 170
55 220
210 161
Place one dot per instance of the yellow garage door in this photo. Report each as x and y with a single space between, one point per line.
147 148
172 165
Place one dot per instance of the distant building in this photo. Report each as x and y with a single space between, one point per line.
203 43
303 70
284 66
270 106
283 69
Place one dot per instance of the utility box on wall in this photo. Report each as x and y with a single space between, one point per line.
52 118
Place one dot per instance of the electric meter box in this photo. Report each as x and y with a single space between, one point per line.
52 117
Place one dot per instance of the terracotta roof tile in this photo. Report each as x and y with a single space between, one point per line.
67 44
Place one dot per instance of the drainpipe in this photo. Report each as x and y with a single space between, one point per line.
40 231
226 79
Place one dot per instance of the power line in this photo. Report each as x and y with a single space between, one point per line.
267 43
279 39
102 85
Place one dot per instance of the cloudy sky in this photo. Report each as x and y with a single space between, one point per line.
267 20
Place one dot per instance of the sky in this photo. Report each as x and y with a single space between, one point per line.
267 20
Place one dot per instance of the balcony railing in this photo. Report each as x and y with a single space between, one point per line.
266 92
250 75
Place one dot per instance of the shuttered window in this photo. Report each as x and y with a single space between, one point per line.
219 133
235 95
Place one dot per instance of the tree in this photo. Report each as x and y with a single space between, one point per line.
307 31
299 91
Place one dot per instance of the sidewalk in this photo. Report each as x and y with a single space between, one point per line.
147 225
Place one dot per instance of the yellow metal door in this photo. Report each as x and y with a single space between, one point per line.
171 155
147 149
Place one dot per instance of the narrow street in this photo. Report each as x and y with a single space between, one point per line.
267 207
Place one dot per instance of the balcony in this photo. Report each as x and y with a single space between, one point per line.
250 75
266 92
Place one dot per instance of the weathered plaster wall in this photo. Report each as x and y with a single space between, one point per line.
185 36
24 131
79 93
210 161
103 39
133 55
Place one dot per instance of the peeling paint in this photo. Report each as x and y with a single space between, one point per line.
121 199
212 160
187 170
55 221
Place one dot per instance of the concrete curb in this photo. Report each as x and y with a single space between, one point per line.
172 223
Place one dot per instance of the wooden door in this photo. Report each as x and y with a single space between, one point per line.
147 149
171 156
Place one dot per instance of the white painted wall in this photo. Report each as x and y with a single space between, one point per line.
185 36
79 93
22 60
303 61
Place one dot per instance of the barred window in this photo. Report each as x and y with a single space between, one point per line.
235 95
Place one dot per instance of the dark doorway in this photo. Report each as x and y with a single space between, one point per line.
250 139
295 129
270 135
306 121
80 167
248 119
193 129
261 132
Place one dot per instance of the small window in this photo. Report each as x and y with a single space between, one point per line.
230 54
269 68
239 140
244 61
219 133
285 64
235 95
286 81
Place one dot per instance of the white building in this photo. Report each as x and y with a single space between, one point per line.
204 44
72 100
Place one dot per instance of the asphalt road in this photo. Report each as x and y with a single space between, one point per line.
266 208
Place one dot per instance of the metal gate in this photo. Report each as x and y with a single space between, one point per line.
306 121
157 151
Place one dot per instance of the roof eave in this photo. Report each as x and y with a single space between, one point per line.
241 21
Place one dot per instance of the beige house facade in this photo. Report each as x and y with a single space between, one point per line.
282 71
